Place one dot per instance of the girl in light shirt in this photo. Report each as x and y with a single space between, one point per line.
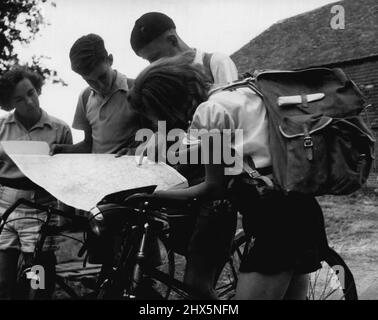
287 230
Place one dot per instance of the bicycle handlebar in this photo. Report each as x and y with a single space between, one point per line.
78 220
155 202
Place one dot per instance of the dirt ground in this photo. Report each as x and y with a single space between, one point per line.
352 229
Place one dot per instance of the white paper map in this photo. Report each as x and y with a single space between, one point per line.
82 180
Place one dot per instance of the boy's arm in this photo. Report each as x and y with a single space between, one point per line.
214 186
80 122
84 146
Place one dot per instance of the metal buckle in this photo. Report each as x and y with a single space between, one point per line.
254 174
308 142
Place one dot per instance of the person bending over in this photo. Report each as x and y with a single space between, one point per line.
287 230
102 111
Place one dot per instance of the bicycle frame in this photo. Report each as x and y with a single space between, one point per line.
134 266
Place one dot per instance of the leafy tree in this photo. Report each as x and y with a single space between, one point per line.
20 21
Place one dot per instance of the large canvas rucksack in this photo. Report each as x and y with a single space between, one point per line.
318 140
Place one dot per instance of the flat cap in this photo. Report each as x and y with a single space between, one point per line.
148 27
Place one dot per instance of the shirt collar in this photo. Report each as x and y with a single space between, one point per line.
120 83
10 118
44 120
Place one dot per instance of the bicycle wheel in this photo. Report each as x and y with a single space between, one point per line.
334 281
227 280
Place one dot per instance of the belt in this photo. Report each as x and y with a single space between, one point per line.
263 181
265 171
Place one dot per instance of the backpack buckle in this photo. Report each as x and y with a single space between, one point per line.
254 174
308 142
263 184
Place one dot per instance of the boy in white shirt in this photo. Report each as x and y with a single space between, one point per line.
154 36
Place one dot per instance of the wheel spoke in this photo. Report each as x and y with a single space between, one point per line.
228 278
325 283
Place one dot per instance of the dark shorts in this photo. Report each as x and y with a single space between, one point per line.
287 231
208 233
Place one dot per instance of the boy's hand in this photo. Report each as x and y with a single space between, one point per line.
56 148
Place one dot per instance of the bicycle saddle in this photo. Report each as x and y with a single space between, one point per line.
119 197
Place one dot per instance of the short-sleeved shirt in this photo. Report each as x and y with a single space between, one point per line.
238 109
223 69
110 118
48 129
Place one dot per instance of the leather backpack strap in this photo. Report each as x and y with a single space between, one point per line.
245 83
263 183
206 60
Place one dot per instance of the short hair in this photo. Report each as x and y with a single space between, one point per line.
172 88
148 27
11 78
87 52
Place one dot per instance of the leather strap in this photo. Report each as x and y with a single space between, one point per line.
206 59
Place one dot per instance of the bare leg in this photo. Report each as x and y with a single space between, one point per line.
298 288
8 273
258 286
201 276
210 246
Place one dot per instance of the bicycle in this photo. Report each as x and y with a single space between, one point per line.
131 274
25 274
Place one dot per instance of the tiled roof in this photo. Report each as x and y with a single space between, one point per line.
308 40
